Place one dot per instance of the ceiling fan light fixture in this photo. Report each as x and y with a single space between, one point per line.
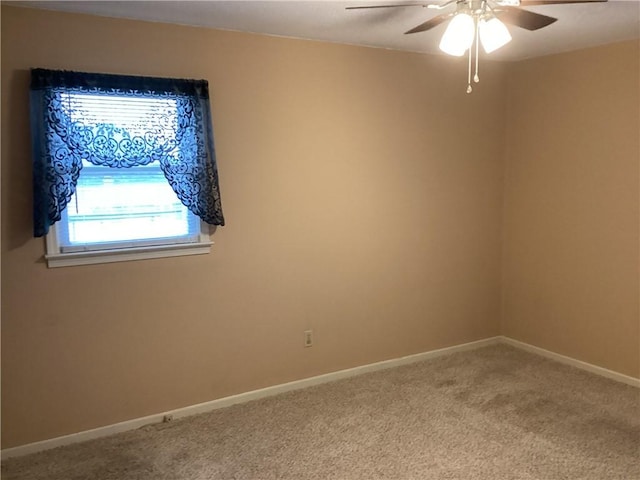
476 21
458 36
493 34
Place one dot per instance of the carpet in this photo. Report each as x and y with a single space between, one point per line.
493 413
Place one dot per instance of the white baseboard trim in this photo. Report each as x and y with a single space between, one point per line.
304 383
619 377
240 398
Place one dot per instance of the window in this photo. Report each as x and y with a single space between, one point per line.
124 214
115 207
124 167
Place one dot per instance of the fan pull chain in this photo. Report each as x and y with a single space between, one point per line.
476 78
469 88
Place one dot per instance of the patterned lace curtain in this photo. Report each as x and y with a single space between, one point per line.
120 122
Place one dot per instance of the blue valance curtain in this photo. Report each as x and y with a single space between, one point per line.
104 119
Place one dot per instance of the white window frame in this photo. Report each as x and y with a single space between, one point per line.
56 258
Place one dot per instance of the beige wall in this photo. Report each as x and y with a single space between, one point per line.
571 262
363 194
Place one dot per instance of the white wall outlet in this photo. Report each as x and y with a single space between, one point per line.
308 338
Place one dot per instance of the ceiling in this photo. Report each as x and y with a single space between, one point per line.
578 25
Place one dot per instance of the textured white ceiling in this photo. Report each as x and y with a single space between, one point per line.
578 25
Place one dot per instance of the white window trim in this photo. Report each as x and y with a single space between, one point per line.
55 258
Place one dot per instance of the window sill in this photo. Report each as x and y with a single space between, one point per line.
126 254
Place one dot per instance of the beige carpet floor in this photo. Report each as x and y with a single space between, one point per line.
495 413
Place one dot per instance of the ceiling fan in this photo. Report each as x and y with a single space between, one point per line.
479 21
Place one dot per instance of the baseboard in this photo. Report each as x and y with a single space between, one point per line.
240 398
619 377
304 383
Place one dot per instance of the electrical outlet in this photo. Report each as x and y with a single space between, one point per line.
308 338
167 418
